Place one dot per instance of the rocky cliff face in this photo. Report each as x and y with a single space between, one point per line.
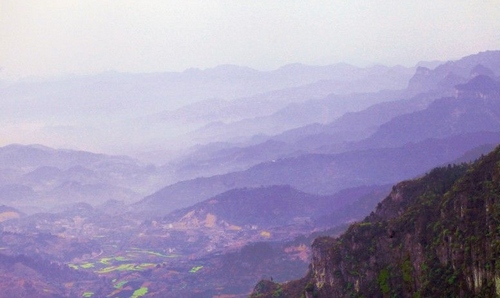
435 236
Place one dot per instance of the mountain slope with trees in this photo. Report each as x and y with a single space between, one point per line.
435 236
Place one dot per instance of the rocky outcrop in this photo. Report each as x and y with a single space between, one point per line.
435 236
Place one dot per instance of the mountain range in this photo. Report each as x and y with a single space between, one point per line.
132 113
233 173
335 136
412 143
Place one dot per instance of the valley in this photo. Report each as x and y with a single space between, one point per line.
265 164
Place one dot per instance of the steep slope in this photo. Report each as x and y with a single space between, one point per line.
436 236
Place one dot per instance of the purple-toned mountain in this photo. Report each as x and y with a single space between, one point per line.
220 158
34 156
146 110
310 83
480 69
268 207
252 147
480 87
322 173
292 115
354 126
475 108
424 87
35 177
333 137
32 276
455 72
409 145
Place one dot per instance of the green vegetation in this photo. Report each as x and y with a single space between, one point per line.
383 281
278 292
195 269
407 270
120 284
109 264
88 294
87 265
140 292
105 261
126 267
143 251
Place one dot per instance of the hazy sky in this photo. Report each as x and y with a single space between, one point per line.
52 37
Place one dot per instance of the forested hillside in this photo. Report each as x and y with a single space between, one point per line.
435 236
